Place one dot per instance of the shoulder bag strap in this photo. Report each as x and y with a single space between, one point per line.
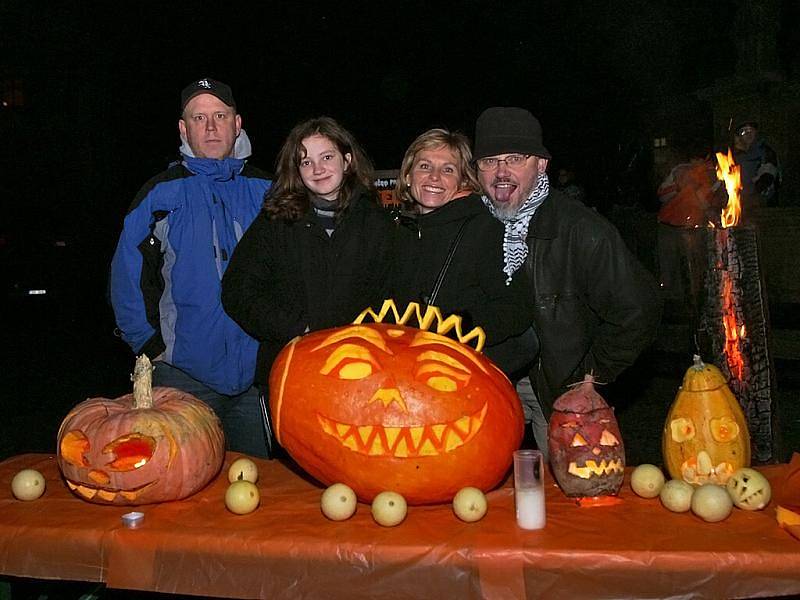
448 259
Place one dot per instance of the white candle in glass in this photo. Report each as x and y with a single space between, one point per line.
530 507
529 488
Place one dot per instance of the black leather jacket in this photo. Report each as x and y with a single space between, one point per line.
595 307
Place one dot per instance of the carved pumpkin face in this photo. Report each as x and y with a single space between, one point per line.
705 437
586 450
389 407
112 453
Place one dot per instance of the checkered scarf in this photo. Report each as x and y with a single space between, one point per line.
515 248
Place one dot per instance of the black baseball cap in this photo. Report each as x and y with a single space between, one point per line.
206 85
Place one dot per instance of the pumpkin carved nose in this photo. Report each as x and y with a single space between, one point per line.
387 396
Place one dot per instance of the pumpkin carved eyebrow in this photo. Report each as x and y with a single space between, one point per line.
365 333
345 351
426 338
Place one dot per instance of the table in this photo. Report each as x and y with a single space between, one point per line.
287 549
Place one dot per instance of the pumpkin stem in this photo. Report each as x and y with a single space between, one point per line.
698 365
142 383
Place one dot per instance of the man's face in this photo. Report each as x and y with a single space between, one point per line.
508 188
210 126
744 138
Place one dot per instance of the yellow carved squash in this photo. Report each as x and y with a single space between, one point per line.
705 436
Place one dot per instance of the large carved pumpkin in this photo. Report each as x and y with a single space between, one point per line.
382 406
705 437
586 450
153 445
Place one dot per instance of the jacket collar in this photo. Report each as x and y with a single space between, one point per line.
544 224
455 210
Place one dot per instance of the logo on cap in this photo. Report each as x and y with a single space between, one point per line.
204 84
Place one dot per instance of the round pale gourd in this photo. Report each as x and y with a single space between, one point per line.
647 480
712 502
676 495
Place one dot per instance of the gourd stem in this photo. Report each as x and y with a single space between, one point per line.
142 383
699 365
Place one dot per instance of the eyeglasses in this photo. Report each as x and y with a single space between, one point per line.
492 163
744 131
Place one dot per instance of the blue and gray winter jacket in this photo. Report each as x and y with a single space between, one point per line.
166 274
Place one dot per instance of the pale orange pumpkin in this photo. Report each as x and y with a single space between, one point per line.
388 407
705 437
154 445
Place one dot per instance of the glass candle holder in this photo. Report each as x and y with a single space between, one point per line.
529 488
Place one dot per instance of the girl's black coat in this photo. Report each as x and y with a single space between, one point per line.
288 278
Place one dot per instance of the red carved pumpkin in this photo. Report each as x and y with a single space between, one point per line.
154 445
389 407
586 450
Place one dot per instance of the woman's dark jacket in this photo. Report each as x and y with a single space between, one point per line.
475 285
595 306
286 278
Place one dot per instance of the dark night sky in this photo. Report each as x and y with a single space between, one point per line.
101 80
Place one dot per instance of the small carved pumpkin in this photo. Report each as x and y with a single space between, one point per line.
380 406
154 445
586 450
705 437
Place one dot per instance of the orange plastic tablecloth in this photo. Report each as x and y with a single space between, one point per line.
287 549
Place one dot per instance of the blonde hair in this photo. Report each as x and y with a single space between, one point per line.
434 139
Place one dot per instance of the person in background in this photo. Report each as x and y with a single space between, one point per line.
449 249
319 252
594 307
568 183
176 242
759 163
691 197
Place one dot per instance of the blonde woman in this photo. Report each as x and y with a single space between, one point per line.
449 249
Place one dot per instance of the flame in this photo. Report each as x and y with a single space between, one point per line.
729 172
734 334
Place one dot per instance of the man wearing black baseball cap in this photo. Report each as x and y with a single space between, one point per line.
166 273
595 308
209 122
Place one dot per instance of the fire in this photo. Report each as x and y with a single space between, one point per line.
734 334
729 172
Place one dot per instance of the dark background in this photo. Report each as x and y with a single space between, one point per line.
91 101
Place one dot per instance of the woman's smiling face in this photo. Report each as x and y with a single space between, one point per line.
435 178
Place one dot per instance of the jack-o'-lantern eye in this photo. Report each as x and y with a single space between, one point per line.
724 429
130 452
578 440
682 429
351 362
441 371
74 446
608 439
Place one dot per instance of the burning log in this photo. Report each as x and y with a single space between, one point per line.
734 319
